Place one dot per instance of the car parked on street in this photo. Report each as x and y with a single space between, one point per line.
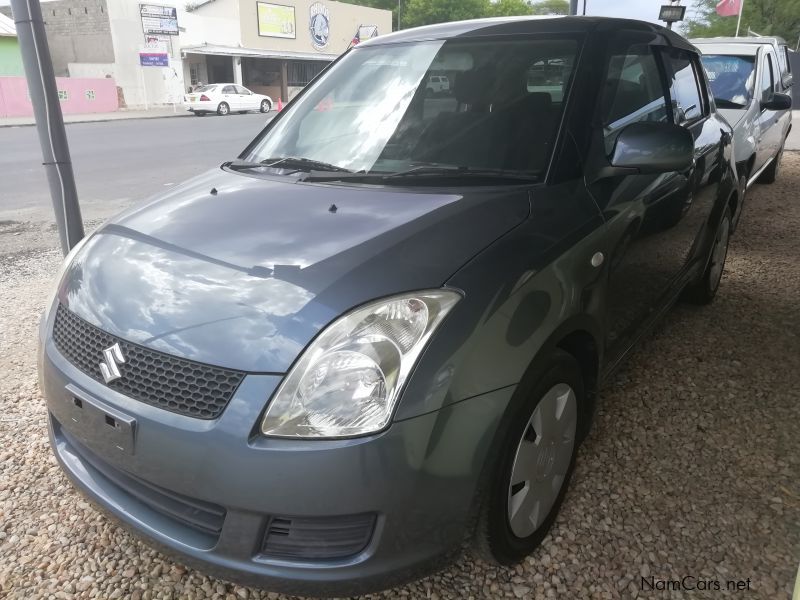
383 328
751 82
437 84
225 98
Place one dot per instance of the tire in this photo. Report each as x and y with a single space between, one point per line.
223 109
770 174
266 106
705 289
505 535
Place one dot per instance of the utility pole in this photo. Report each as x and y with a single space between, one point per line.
49 120
573 7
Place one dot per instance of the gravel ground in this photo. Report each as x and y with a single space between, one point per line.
691 468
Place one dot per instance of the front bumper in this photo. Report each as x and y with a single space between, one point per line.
418 478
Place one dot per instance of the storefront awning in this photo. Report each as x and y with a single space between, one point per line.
256 53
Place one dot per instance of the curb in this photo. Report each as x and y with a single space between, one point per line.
104 120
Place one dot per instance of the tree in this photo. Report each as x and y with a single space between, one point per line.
550 7
426 12
512 8
766 17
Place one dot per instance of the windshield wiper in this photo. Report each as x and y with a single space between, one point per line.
287 162
299 162
425 172
723 103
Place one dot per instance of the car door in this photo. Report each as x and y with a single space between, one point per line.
691 109
642 258
247 99
230 97
769 137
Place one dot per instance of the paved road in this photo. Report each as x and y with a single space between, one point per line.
120 162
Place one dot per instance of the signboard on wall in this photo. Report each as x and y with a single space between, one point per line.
275 20
154 55
319 25
156 19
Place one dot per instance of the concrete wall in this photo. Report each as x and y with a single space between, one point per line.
76 96
215 23
10 58
344 22
77 31
151 86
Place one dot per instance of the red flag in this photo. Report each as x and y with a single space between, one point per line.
729 8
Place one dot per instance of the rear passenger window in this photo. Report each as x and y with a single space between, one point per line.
684 87
632 92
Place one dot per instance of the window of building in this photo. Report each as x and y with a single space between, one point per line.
300 73
194 73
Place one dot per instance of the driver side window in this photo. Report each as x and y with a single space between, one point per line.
633 91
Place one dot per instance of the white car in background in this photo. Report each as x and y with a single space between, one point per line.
225 98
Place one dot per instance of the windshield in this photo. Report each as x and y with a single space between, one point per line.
485 104
205 88
731 77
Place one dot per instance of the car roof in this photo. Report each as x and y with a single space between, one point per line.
728 49
768 40
523 25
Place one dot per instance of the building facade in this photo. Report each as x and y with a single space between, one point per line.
10 57
272 47
156 52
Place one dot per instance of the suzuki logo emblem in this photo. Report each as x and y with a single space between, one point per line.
109 367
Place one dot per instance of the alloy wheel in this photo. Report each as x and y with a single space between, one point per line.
542 460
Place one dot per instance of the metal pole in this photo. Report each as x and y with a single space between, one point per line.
399 8
573 7
739 20
49 120
584 7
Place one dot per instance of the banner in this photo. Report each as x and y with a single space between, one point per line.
275 20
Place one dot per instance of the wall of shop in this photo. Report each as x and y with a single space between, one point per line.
140 86
343 22
76 96
10 58
77 31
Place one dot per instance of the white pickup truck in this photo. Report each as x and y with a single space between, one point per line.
751 79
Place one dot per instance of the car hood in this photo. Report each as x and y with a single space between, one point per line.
732 115
242 272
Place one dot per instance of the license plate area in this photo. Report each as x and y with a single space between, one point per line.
103 427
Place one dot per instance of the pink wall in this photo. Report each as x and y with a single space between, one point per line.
77 96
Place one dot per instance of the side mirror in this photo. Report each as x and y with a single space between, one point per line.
653 148
778 102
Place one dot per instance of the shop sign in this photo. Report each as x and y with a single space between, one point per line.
319 25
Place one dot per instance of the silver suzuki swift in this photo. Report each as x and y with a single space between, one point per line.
378 332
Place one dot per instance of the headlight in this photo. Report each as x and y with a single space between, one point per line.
347 381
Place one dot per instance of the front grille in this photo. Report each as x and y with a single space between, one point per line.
203 517
155 378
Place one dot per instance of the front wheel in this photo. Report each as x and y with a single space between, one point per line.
265 106
536 461
223 109
770 174
704 290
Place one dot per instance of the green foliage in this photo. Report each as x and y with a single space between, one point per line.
550 7
766 17
426 12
